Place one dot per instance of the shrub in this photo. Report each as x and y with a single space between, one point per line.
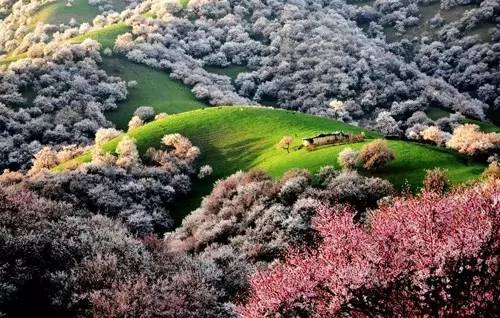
385 90
135 122
325 175
145 113
376 155
71 95
181 146
296 173
104 135
351 187
387 125
108 52
70 152
48 158
205 171
436 180
8 178
161 116
433 255
348 158
492 171
179 286
54 255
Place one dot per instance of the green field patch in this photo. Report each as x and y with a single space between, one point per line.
241 138
59 13
12 58
436 113
231 71
106 35
485 126
154 88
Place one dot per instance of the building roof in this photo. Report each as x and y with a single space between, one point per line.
335 133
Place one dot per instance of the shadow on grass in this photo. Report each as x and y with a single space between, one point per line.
234 157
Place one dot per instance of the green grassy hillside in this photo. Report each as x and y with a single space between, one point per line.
241 138
58 12
155 88
106 35
5 62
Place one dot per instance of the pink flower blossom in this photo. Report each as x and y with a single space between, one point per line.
432 255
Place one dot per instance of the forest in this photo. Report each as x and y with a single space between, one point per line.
157 158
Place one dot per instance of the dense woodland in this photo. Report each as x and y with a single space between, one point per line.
90 221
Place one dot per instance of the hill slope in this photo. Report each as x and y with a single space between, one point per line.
106 35
242 138
154 88
59 12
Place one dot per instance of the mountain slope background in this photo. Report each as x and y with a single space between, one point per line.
166 92
152 161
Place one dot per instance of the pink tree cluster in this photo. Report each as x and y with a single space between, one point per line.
433 255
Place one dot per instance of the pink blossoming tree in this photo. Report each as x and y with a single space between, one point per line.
430 256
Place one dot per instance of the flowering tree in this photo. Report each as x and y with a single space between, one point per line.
128 155
181 145
493 170
433 255
139 191
376 154
8 178
436 180
104 135
145 113
348 158
285 143
205 171
435 135
135 122
469 140
46 158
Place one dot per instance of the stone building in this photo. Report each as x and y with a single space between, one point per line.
337 137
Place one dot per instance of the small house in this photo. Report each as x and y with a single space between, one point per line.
337 137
